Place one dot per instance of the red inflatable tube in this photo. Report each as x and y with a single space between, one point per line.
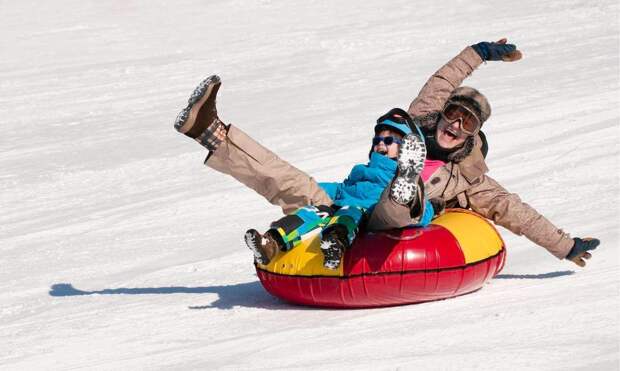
399 267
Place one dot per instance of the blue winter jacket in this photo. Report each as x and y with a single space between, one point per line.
365 183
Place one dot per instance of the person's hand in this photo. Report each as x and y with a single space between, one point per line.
497 51
579 253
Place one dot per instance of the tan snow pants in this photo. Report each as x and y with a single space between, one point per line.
284 185
279 182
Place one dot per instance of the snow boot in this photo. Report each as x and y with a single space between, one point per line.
411 156
199 119
332 247
264 247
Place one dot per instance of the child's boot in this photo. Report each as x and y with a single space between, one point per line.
264 247
333 245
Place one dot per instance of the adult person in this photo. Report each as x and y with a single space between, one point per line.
451 117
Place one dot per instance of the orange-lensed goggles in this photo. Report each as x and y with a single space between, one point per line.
469 123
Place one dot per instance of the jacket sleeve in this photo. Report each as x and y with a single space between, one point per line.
438 88
331 188
491 200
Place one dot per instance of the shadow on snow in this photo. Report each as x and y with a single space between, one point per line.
539 276
249 294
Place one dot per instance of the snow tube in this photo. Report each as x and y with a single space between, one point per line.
454 255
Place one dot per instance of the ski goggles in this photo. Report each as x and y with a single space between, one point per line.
387 140
469 123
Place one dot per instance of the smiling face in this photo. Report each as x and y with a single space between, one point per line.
390 151
449 135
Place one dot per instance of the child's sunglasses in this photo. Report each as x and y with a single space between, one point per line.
387 140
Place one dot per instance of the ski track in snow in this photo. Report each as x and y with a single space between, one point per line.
120 250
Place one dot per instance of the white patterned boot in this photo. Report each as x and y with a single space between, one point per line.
411 156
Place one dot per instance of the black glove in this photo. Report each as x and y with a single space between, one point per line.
580 249
497 51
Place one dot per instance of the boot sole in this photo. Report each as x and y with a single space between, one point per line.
259 257
186 119
331 254
411 156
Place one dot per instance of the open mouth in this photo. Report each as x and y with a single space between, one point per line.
451 133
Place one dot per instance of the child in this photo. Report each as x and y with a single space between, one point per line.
395 149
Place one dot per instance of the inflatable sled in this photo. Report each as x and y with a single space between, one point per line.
455 255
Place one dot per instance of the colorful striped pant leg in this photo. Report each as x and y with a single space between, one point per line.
347 221
291 228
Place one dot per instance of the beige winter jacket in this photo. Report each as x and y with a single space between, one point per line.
466 182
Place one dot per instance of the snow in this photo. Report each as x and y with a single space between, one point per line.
120 250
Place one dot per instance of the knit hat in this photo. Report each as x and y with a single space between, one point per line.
473 100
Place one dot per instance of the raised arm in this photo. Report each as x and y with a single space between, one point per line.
440 85
437 89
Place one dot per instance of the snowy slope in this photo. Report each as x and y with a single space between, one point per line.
120 250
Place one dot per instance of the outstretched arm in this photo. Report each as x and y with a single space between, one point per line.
494 202
437 89
440 85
